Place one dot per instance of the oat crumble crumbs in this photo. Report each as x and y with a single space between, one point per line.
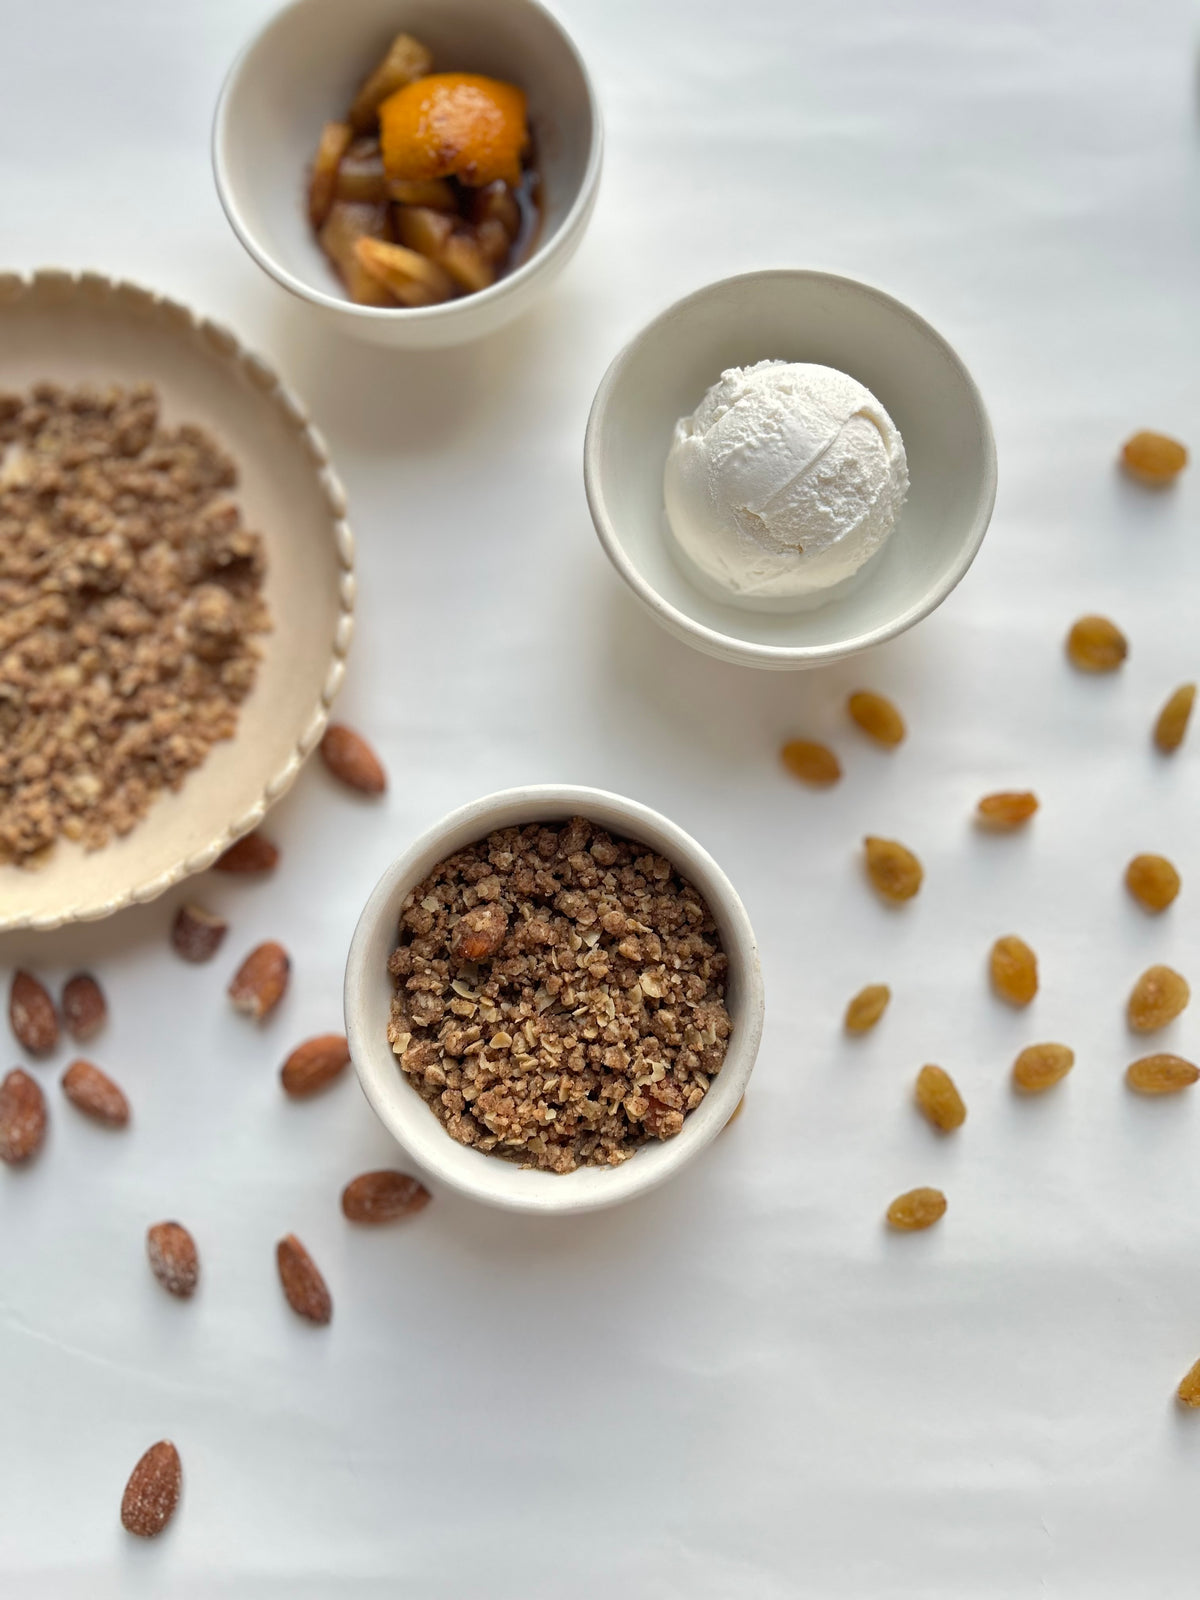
130 598
560 996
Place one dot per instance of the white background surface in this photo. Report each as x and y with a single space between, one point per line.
740 1388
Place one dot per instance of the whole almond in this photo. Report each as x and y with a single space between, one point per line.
253 852
313 1064
84 1008
95 1093
174 1259
196 934
260 982
152 1492
32 1015
302 1283
351 760
383 1197
22 1117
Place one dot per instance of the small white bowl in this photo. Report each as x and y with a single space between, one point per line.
302 71
793 316
368 996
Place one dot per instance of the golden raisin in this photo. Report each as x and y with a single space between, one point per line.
1161 1074
1152 881
811 762
1189 1389
1173 719
1095 644
877 716
1153 458
1014 970
868 1005
1158 997
919 1208
1040 1066
1007 809
893 869
939 1100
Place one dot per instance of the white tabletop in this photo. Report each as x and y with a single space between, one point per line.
739 1388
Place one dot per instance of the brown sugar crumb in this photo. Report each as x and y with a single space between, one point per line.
892 868
560 996
130 605
1010 808
1014 970
938 1099
877 717
1095 644
919 1208
1040 1066
1173 719
812 763
1152 881
866 1008
1154 458
1158 997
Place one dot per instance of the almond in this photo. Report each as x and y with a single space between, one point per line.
197 934
479 933
152 1492
383 1197
84 1008
260 982
351 760
253 852
302 1283
22 1117
174 1259
314 1063
32 1015
95 1093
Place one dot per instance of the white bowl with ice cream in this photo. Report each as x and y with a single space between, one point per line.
789 467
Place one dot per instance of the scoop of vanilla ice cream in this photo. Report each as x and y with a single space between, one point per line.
784 481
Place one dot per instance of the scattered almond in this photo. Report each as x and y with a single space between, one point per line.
892 868
84 1007
1189 1388
812 763
174 1259
1040 1066
479 933
1161 1074
260 982
1173 719
95 1094
939 1100
313 1064
253 852
1014 970
32 1015
919 1208
22 1117
877 717
866 1008
351 760
1095 644
302 1283
197 934
1009 808
1154 458
1152 881
1158 997
383 1197
152 1492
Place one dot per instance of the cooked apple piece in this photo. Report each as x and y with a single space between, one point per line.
406 60
423 229
360 175
465 261
335 140
435 193
346 224
496 201
411 277
493 240
452 247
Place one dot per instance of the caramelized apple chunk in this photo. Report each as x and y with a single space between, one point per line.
407 59
360 176
322 183
346 224
413 279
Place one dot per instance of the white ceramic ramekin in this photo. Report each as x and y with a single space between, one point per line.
400 1108
302 71
793 316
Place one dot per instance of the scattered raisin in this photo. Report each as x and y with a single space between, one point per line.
894 870
868 1005
1153 458
919 1208
1040 1066
1158 997
939 1100
1173 719
1161 1074
1007 809
877 717
1014 970
811 762
736 1112
1095 644
1152 881
1189 1389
